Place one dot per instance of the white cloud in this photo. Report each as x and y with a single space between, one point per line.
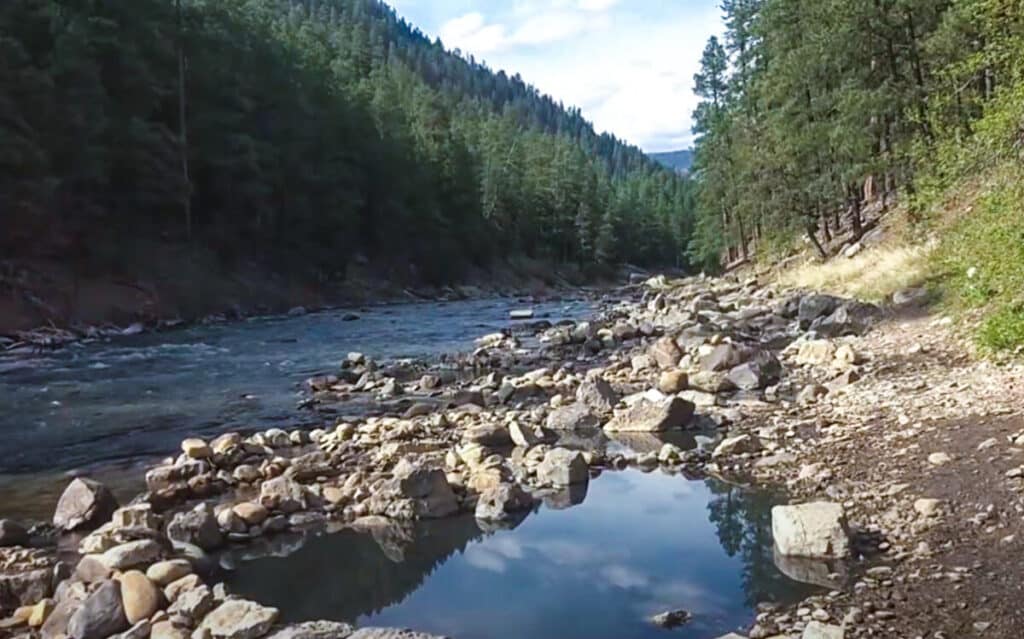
472 34
628 66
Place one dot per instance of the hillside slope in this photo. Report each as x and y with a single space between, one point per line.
678 161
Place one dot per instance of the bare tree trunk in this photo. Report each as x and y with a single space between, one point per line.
814 240
183 127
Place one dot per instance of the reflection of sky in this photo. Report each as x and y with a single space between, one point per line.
640 544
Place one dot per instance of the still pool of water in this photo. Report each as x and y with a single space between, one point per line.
633 545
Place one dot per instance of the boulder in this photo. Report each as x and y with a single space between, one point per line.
711 382
852 318
653 417
314 630
816 352
818 630
91 569
12 533
525 436
672 382
391 633
283 494
163 573
563 467
764 370
195 448
100 615
24 588
597 394
724 357
575 416
811 530
502 501
251 513
131 554
193 603
167 630
56 625
665 352
84 503
738 445
493 435
427 487
239 619
140 598
198 527
815 306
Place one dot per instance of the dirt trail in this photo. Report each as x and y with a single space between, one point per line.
926 421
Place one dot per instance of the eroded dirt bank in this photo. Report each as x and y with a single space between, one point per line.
879 411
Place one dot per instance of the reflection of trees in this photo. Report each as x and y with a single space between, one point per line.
743 520
342 576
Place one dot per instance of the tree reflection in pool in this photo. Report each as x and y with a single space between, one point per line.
638 544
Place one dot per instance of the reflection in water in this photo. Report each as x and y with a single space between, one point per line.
639 544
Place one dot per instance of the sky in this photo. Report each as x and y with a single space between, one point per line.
628 64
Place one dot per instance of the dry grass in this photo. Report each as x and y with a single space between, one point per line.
874 274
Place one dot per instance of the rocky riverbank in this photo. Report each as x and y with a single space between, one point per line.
850 409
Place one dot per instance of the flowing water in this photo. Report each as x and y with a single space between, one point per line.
112 406
593 563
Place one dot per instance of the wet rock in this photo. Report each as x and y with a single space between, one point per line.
562 467
131 554
665 352
140 598
163 573
811 530
502 502
597 394
283 494
84 503
818 630
757 373
198 527
240 619
12 534
653 417
314 630
100 615
672 382
575 416
671 619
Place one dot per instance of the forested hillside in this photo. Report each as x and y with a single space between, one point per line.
812 108
320 131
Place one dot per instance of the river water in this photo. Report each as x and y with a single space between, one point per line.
110 407
590 565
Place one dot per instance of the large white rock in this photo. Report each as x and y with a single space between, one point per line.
811 530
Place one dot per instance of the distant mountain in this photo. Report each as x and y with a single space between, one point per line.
678 161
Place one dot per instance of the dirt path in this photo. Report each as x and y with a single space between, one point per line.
926 421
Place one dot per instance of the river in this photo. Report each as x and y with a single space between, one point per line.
109 407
